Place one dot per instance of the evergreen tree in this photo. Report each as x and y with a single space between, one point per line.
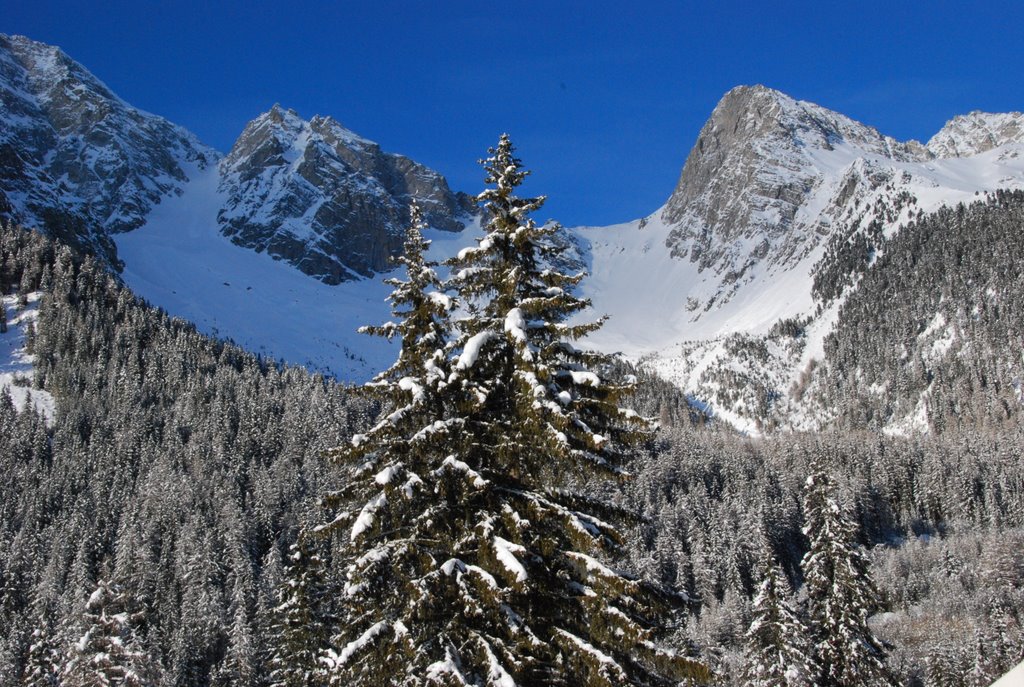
472 559
108 653
778 651
840 591
301 628
42 665
239 665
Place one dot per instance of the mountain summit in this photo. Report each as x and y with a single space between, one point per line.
80 163
977 132
75 159
325 199
756 163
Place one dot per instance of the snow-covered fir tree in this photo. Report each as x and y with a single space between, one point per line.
108 652
778 648
301 625
471 560
43 663
840 592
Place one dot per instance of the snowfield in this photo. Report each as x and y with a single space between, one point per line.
16 371
181 262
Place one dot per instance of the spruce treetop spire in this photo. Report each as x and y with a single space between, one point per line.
503 169
471 556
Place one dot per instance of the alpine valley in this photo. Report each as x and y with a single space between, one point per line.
810 282
733 289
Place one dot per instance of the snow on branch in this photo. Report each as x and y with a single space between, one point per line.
338 660
453 464
368 514
471 351
505 551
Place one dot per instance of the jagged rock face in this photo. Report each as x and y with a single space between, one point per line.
326 200
76 160
977 132
755 164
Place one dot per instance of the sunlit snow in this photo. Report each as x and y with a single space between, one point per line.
16 370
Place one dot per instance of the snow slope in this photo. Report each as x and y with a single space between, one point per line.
179 260
1014 678
635 280
675 316
16 369
678 296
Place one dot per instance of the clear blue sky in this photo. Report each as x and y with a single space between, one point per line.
604 99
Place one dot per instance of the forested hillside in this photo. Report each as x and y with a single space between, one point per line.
177 466
933 335
173 480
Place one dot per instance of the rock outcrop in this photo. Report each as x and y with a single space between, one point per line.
977 132
76 160
325 199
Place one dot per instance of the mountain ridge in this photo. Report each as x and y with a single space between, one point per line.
72 153
780 208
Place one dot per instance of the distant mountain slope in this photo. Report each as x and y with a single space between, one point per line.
932 338
781 208
83 165
75 159
325 199
731 290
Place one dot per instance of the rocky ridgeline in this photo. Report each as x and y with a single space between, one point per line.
770 179
77 160
81 164
977 132
756 163
325 199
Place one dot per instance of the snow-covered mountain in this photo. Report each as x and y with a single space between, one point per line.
326 200
730 289
762 234
74 158
82 164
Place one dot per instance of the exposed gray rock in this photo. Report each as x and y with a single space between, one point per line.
977 132
325 199
77 161
756 162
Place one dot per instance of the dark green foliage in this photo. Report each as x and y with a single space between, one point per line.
176 461
473 556
928 511
778 648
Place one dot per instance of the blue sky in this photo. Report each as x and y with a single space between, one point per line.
603 100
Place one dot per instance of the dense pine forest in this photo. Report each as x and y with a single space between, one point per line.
936 327
168 526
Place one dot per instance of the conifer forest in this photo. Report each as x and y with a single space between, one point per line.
502 506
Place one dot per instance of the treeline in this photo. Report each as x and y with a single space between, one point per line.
935 329
177 465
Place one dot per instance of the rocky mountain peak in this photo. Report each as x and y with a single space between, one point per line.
977 132
265 140
325 199
757 161
76 160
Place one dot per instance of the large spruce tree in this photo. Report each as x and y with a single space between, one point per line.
840 591
472 557
778 651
